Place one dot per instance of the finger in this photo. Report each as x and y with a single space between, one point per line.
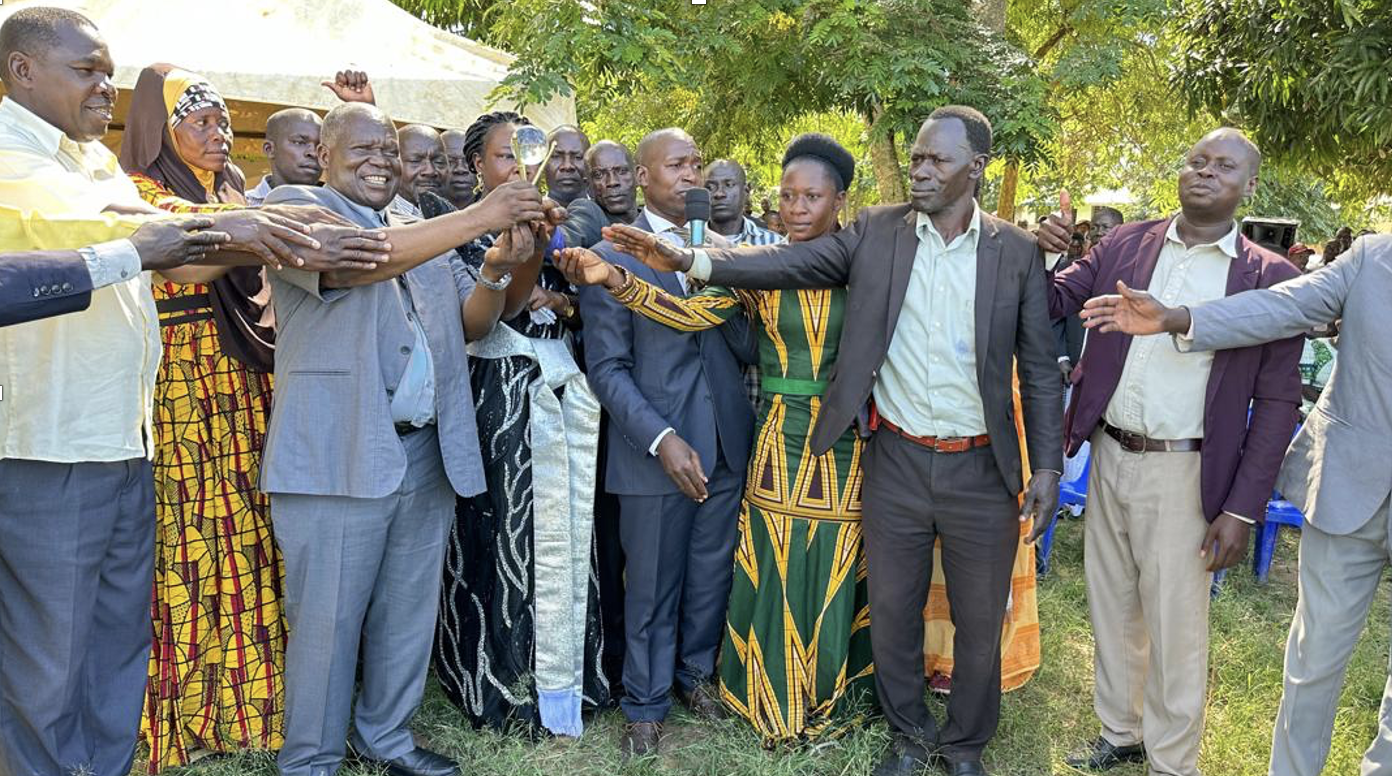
266 256
294 237
1210 537
1125 290
1066 205
328 84
365 244
282 250
686 484
698 479
208 238
367 258
194 223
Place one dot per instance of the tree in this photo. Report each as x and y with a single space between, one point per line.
1310 79
736 73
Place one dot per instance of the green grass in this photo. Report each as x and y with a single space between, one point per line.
1040 725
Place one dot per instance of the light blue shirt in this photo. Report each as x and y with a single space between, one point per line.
928 384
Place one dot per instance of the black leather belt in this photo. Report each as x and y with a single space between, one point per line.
196 307
403 429
1132 442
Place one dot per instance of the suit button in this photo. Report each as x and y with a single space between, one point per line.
67 287
405 350
37 292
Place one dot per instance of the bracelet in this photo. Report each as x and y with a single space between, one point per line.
500 284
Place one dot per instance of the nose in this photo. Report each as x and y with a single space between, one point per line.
108 88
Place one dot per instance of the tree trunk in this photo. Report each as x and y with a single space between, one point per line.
991 14
884 158
1005 208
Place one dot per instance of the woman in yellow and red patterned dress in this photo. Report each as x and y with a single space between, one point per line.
219 635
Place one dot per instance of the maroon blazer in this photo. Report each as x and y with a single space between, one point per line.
1240 457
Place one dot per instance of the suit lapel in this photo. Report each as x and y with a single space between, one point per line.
900 268
988 252
667 281
1147 256
1243 274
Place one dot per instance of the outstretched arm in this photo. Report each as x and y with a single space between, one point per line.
706 310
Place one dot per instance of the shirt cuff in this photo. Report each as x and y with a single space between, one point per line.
653 449
1247 520
1185 342
1051 260
111 262
700 265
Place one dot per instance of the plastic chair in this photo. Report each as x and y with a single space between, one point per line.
1279 512
1071 494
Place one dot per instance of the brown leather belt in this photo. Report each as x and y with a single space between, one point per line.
936 444
1132 442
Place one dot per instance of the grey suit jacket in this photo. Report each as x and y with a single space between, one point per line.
650 377
873 260
1338 469
339 355
38 286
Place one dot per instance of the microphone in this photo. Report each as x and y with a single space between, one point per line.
698 212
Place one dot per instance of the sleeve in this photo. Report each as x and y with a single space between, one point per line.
583 222
821 263
42 285
706 310
110 262
609 357
1073 285
1284 310
1041 391
30 231
309 282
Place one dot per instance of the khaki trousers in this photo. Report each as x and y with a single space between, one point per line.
1148 595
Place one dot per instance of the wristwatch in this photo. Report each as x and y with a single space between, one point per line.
500 284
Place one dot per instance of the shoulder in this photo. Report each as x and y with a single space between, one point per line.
300 195
1274 268
1375 247
881 213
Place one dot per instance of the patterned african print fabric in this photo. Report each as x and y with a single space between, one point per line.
1020 631
486 646
219 633
795 661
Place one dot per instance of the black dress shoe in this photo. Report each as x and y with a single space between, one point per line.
640 739
905 758
1102 755
417 762
963 767
703 702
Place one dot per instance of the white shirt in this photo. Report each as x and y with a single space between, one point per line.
669 232
927 385
257 196
1162 390
78 387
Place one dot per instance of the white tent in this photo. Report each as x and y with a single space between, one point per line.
264 55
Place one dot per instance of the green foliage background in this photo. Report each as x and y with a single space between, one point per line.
1088 95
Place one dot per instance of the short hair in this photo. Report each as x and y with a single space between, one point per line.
287 115
33 31
727 163
1103 210
977 125
477 133
594 149
824 150
568 129
419 129
338 118
649 140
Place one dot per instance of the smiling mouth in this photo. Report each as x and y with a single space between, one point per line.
375 180
105 111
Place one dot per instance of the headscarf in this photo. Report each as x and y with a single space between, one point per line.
164 96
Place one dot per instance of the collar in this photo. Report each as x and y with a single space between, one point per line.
925 225
1227 243
46 136
364 214
658 223
750 228
263 188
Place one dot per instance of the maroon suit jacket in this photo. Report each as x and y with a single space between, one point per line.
1240 457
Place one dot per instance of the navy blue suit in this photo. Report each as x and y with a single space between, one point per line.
679 553
34 286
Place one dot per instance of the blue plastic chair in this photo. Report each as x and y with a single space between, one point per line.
1071 493
1279 512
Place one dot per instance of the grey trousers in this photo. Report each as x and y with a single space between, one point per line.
77 550
361 576
1338 580
912 496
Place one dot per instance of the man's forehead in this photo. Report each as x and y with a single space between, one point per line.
725 170
609 156
942 133
80 41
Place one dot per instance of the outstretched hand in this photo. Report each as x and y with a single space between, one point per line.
1041 503
1056 232
648 248
584 267
1134 312
513 248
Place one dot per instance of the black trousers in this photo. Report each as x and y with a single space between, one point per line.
610 568
913 496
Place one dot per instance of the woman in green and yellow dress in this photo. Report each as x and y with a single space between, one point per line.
796 655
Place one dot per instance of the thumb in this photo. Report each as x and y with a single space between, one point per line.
1066 204
1125 290
329 84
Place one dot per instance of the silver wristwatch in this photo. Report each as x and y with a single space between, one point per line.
499 285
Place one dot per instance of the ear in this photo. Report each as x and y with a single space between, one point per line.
19 68
1250 188
477 162
640 175
322 151
268 149
978 167
841 201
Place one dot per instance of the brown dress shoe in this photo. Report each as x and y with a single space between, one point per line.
703 702
640 739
